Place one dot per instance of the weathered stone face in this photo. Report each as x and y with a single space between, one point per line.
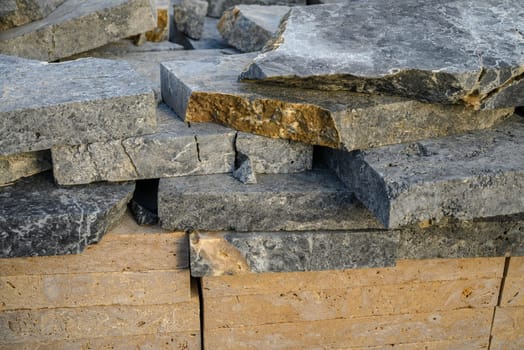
16 166
249 27
475 175
207 90
217 7
77 26
14 13
70 103
39 218
459 52
189 17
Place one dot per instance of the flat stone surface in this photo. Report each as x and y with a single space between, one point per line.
249 27
207 90
14 13
83 101
77 26
217 7
189 15
38 217
475 175
174 150
228 253
466 52
313 200
16 166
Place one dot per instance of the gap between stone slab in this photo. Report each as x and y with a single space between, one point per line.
499 298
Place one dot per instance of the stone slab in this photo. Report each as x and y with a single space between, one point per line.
508 328
229 253
161 31
16 166
217 7
14 13
249 27
461 52
475 175
77 26
313 200
335 119
174 150
83 101
189 15
209 40
38 217
481 343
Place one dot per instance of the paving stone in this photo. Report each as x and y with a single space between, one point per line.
16 166
70 103
189 17
77 26
313 200
174 150
475 175
14 13
249 27
228 253
38 217
208 90
464 52
217 7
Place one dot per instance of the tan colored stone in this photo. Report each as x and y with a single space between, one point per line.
513 292
161 30
516 267
406 271
465 344
359 331
508 329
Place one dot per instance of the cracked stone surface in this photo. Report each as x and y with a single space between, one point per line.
189 16
313 200
38 217
229 253
77 26
14 13
475 175
77 102
16 166
174 150
249 27
217 7
466 52
207 90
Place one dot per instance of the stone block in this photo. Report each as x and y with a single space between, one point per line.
38 217
336 119
161 31
508 328
313 200
16 166
174 150
513 291
189 17
249 27
77 26
14 13
70 103
228 253
457 52
475 175
217 7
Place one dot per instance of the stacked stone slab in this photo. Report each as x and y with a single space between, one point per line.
217 7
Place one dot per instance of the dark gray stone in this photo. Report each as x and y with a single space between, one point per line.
244 170
313 200
229 253
475 175
249 27
174 150
77 26
14 13
16 166
189 17
39 218
455 51
83 101
217 7
207 90
209 40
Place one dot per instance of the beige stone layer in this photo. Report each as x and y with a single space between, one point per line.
513 291
330 304
516 267
362 331
508 329
406 271
92 289
465 344
161 30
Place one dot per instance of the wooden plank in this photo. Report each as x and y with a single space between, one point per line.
92 289
406 271
508 329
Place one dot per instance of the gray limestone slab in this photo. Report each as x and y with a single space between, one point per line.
77 102
77 26
249 27
475 175
14 13
466 52
16 166
208 90
313 200
38 217
217 7
174 150
230 253
189 15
